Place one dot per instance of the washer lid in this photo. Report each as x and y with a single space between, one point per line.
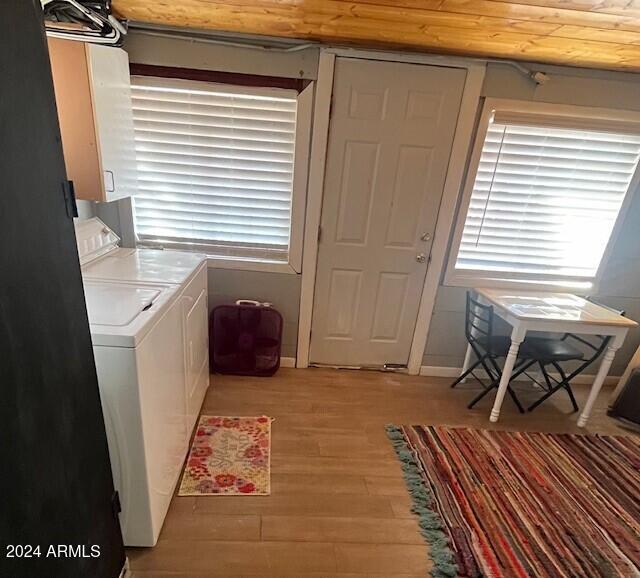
121 314
115 305
94 239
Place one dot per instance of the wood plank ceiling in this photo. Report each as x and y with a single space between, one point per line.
591 33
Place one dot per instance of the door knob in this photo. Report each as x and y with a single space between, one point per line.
421 257
425 237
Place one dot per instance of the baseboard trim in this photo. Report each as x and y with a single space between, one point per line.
441 371
287 362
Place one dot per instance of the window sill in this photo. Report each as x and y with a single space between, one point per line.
264 266
584 288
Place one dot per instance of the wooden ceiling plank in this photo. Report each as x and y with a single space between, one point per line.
613 7
386 13
407 16
519 11
612 36
368 24
343 28
506 45
523 10
430 18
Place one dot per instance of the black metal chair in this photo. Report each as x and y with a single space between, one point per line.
552 353
488 348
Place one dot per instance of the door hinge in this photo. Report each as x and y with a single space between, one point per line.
69 195
331 107
115 504
319 233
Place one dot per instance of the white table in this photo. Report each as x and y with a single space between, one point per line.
556 313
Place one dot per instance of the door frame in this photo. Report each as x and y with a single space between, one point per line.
453 182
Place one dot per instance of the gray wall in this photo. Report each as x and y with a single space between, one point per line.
620 285
281 289
227 285
86 209
144 48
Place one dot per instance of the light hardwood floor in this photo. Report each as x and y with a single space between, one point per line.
338 508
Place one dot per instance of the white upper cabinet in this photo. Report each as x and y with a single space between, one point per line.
93 97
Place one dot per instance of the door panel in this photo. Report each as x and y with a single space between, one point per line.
344 295
356 192
368 103
56 484
390 138
412 179
392 288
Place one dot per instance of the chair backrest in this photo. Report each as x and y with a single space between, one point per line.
478 319
600 342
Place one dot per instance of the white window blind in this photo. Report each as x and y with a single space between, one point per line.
215 166
544 202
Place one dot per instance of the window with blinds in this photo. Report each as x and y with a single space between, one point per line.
545 199
215 167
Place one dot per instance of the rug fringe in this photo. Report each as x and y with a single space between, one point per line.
429 520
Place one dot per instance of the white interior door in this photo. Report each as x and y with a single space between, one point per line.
390 137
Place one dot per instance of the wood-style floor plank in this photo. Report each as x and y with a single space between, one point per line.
338 506
385 558
292 484
305 504
241 528
341 530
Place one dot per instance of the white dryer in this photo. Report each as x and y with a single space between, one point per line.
150 344
102 259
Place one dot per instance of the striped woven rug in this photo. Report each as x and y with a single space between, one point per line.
504 504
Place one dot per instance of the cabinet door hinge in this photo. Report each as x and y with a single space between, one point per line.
69 195
319 233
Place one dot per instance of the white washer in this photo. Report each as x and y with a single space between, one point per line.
141 380
102 259
150 343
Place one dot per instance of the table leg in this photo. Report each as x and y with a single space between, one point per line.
467 361
517 336
605 365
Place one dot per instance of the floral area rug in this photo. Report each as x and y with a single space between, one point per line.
495 504
230 456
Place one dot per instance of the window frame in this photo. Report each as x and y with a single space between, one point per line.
304 115
591 116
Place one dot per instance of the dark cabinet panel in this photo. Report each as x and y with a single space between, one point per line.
55 480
